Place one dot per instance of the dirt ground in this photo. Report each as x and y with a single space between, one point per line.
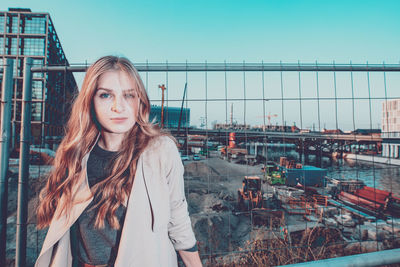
211 188
217 174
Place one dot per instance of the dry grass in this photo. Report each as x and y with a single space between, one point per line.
271 248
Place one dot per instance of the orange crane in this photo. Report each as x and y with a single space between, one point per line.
163 88
269 116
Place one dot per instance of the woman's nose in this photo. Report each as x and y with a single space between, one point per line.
118 105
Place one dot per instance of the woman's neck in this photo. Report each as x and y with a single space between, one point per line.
110 141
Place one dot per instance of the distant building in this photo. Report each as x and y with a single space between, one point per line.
229 126
391 128
367 131
29 34
276 128
171 116
333 131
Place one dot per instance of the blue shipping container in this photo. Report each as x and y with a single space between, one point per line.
306 176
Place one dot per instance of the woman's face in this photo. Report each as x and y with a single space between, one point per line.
116 102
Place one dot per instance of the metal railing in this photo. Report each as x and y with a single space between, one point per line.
186 68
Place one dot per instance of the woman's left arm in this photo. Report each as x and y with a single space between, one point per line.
179 227
191 259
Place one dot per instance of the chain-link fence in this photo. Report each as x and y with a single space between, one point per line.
284 163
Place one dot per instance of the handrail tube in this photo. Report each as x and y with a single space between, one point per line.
4 153
371 259
177 67
23 179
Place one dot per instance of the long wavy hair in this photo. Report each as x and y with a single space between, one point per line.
81 132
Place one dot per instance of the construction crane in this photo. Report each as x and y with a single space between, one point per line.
269 116
163 88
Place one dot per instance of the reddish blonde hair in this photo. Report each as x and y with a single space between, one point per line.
81 133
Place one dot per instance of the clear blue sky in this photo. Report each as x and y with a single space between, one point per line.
218 30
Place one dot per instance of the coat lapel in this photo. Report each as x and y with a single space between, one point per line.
147 171
139 218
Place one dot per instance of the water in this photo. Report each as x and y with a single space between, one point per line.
380 176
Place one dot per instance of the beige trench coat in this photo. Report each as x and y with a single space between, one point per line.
156 223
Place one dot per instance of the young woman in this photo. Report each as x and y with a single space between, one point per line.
115 196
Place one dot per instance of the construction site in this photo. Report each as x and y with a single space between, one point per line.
254 200
249 211
252 216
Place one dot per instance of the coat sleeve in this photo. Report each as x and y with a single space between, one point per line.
179 227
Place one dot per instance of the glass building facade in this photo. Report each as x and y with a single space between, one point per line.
27 34
171 116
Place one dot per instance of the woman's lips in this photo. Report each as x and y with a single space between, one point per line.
118 120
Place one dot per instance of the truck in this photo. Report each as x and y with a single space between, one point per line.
272 174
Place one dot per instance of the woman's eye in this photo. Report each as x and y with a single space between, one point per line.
130 95
104 95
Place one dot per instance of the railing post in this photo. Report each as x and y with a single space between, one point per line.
22 210
4 153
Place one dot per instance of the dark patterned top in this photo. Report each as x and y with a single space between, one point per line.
98 246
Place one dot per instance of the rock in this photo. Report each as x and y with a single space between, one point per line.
364 235
228 198
371 246
384 235
392 230
212 203
225 196
394 221
331 211
312 218
360 234
376 232
345 220
214 231
364 247
219 207
348 232
377 235
329 222
226 260
353 247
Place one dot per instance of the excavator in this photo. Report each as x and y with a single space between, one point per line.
250 195
264 212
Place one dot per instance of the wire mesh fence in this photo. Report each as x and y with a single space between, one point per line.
284 163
